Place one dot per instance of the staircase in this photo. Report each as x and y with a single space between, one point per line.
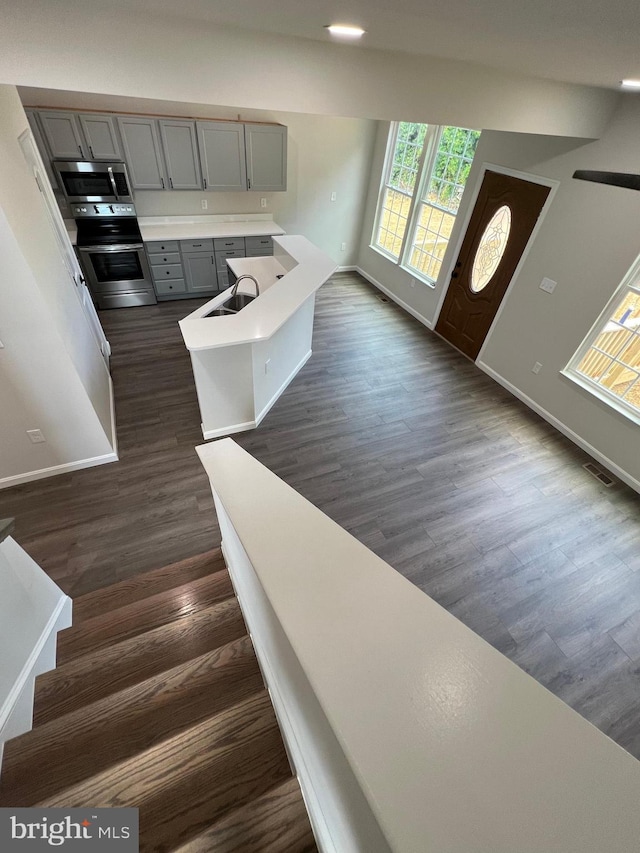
157 703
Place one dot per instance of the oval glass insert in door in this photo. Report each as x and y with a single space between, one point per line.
491 248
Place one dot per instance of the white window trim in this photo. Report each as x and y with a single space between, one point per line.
425 168
631 282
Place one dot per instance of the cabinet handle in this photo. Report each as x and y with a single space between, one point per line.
81 151
228 244
162 179
91 150
205 183
197 245
171 182
249 183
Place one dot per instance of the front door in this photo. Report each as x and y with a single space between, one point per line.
504 215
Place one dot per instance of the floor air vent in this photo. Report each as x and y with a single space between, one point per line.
598 474
382 298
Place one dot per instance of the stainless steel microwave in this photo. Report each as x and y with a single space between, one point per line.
85 180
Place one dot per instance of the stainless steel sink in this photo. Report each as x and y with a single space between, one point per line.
231 306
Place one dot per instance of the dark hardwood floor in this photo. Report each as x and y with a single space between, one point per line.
409 447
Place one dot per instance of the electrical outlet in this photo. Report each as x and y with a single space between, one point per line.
36 436
537 367
413 282
263 202
334 196
343 247
548 285
204 203
266 365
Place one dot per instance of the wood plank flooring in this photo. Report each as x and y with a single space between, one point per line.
409 447
194 745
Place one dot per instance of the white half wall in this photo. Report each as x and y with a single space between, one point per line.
174 58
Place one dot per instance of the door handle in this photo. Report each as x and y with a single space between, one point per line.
458 264
454 275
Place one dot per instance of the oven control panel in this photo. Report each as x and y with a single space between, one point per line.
87 209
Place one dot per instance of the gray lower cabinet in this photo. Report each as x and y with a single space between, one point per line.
167 271
142 152
199 263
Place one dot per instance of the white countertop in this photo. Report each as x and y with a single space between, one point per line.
457 750
199 227
305 269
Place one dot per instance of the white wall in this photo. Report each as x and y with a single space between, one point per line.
587 242
171 58
51 372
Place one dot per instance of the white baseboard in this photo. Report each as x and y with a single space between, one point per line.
283 387
419 317
218 433
348 268
29 476
563 428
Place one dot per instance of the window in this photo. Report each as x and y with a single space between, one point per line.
425 174
608 361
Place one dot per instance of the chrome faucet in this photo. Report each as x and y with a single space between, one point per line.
238 280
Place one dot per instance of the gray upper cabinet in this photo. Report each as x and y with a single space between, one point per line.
142 152
181 154
63 135
266 147
100 135
222 155
34 124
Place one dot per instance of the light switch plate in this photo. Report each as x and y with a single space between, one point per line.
548 285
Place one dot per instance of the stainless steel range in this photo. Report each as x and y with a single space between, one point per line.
112 255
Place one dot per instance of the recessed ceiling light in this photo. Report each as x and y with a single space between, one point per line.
345 30
631 84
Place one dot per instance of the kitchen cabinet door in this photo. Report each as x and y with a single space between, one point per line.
266 147
43 148
181 154
200 272
100 135
142 152
222 154
63 135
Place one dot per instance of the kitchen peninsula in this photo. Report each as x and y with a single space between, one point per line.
243 362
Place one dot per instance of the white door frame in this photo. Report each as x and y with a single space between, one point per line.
513 173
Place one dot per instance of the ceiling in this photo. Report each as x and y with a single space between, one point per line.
594 42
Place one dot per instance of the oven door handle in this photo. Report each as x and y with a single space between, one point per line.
113 183
119 248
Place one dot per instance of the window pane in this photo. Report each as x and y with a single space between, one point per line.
393 221
613 359
441 199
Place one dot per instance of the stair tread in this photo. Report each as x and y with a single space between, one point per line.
108 670
148 583
144 615
276 822
66 750
184 784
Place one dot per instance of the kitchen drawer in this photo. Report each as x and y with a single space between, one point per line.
222 244
263 244
165 258
162 246
173 285
204 245
221 257
164 272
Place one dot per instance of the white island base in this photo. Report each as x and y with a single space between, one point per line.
243 362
